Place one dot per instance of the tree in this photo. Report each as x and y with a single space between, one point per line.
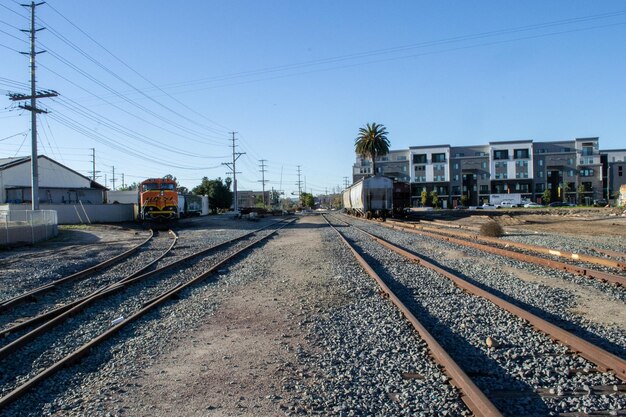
464 200
434 198
132 187
218 191
546 197
581 191
307 200
424 198
182 190
372 142
564 191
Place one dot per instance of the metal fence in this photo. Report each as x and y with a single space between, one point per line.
26 227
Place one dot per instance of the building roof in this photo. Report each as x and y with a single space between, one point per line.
11 162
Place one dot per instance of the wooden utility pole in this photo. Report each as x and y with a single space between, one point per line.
234 172
34 95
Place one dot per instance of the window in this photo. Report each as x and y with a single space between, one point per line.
420 178
540 162
456 190
419 159
586 172
480 154
484 189
587 149
458 155
540 174
570 161
501 154
619 171
456 177
401 158
484 165
456 165
420 168
539 188
439 167
439 157
403 168
521 154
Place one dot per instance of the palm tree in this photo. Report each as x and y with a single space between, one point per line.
372 142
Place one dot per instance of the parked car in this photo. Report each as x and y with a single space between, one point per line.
561 204
531 205
601 202
489 207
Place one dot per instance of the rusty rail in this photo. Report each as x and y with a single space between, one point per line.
472 396
80 274
155 302
611 263
604 360
590 273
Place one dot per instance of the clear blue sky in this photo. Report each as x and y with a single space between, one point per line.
296 79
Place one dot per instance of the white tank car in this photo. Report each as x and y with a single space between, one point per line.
369 197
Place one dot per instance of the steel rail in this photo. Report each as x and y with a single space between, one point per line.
472 396
49 315
155 302
611 253
589 273
604 360
80 274
611 263
54 317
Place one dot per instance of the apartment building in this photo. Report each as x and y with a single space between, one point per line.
574 170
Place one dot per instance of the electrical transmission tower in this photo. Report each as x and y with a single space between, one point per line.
34 95
345 182
234 172
263 180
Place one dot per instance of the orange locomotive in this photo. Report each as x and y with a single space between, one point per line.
158 199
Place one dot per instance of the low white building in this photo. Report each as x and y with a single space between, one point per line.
58 184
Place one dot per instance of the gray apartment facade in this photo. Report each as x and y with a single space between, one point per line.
573 170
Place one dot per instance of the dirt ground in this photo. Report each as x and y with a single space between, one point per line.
589 224
237 363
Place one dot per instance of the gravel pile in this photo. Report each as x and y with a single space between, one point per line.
525 360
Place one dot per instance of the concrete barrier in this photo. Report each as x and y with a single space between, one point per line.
85 213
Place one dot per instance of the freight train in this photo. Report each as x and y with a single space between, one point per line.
158 200
377 197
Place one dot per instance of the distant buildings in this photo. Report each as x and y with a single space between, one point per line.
577 168
58 184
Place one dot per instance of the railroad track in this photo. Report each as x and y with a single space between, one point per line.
31 294
101 315
579 263
513 373
68 294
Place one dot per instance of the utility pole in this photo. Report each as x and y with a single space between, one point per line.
263 180
345 182
113 180
299 183
93 164
122 180
234 172
34 95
